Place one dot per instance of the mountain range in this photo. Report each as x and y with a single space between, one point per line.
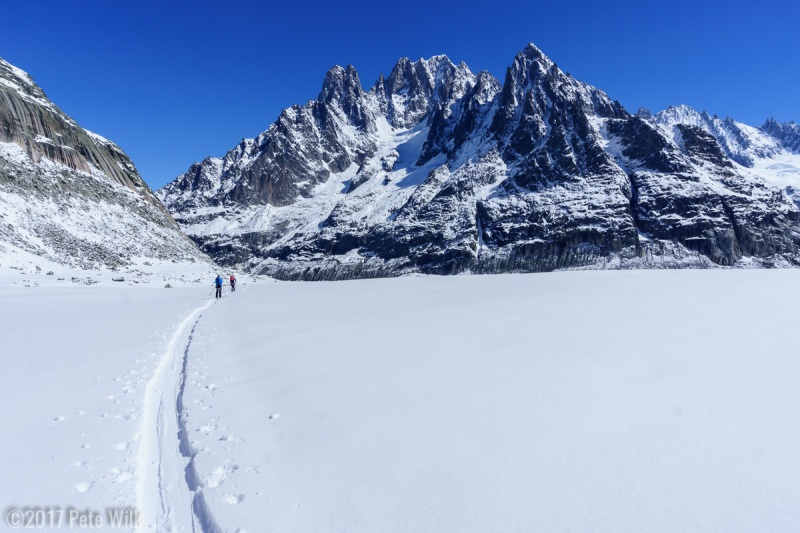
436 169
433 169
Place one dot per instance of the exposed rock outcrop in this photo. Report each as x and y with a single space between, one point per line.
70 195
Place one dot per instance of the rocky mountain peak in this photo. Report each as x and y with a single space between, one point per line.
541 108
81 198
740 142
409 78
532 69
682 114
20 82
531 59
340 83
380 85
30 120
342 88
413 89
787 133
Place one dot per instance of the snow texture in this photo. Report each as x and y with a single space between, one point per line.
573 401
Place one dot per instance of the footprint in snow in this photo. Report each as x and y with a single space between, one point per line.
121 446
220 474
234 499
120 476
83 487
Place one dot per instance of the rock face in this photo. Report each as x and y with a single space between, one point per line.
742 143
439 170
787 133
70 195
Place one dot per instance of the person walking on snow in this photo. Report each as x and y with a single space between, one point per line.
218 285
233 283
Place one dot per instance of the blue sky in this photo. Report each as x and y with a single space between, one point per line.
174 82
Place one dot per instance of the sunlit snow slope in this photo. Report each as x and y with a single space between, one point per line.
629 401
585 401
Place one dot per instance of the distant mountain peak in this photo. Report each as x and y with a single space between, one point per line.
787 133
743 144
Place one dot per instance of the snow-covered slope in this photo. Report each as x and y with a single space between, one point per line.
771 153
552 402
76 362
439 170
787 133
70 197
742 143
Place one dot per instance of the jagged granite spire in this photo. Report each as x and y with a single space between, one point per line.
342 88
787 133
413 89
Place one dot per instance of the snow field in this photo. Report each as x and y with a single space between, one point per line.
76 361
575 401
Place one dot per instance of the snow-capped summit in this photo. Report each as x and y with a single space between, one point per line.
414 89
71 196
439 170
787 133
742 143
342 88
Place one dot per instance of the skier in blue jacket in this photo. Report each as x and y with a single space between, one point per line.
218 284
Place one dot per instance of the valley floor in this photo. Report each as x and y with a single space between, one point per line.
572 401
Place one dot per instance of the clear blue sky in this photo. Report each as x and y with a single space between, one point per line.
174 82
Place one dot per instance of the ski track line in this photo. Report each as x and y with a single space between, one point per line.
168 492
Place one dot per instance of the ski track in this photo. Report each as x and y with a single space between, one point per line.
169 494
